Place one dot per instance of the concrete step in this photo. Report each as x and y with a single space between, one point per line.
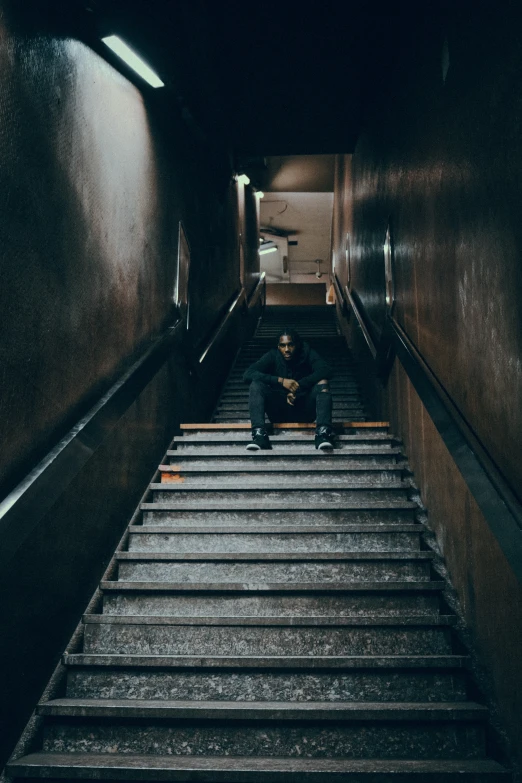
346 430
378 679
248 518
298 458
239 418
323 730
339 411
280 439
336 538
264 492
225 599
244 419
221 769
279 446
264 710
349 455
320 472
270 636
325 567
317 663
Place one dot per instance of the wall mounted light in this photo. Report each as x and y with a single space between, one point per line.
267 247
120 48
243 179
388 268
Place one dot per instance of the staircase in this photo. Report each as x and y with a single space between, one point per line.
275 618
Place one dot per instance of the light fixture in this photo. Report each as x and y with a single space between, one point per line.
267 247
260 194
243 179
131 58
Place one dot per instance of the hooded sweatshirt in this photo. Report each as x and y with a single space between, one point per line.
306 367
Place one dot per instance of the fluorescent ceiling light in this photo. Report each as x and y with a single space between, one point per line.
244 179
131 58
268 250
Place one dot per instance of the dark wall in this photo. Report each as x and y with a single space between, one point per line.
94 179
93 189
442 160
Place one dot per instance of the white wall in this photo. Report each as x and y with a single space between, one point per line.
309 217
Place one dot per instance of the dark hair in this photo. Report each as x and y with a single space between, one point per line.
293 334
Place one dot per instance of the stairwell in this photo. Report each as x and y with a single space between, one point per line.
274 616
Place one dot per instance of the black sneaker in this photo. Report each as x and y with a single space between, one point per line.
259 440
324 439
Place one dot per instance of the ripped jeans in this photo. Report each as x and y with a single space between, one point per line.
314 405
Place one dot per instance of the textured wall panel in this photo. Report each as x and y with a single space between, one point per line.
444 160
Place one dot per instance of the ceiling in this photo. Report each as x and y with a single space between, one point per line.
268 78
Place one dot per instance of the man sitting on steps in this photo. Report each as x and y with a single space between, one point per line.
290 384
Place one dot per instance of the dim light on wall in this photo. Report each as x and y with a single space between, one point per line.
243 179
120 48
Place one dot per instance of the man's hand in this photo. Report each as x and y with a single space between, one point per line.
290 398
290 385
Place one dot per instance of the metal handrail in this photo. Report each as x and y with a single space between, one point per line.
259 289
238 301
28 502
34 496
338 291
222 325
345 296
500 507
362 323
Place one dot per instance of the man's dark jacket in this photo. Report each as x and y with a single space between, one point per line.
306 367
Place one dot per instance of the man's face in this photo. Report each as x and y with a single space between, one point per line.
286 347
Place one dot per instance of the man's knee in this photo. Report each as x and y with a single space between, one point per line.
259 391
259 386
323 387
